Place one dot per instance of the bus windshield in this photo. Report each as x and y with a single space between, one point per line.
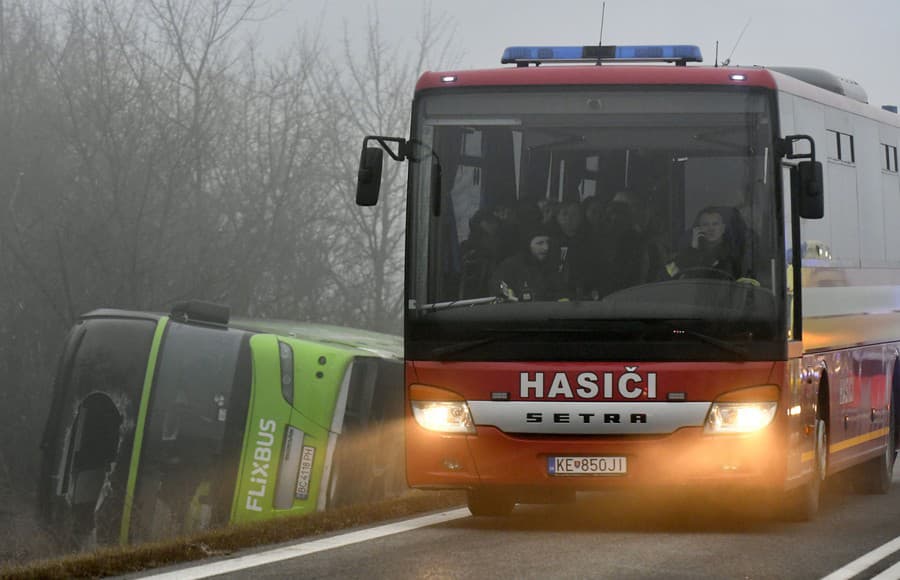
601 203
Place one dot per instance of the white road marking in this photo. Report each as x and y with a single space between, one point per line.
892 573
867 560
305 548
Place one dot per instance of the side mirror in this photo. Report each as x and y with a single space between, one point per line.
368 183
806 180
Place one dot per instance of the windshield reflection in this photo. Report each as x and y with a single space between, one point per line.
604 203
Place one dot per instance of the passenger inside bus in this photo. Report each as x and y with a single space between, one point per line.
712 248
624 250
654 248
532 273
549 210
507 231
594 208
595 248
480 254
572 247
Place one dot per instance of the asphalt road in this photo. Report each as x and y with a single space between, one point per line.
623 536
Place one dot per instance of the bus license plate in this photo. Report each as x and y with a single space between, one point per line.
614 465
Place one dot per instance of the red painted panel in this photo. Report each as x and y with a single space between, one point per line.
699 381
597 75
685 457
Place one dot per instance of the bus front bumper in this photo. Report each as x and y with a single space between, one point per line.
687 457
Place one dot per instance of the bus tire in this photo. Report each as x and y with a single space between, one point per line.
482 502
802 504
874 476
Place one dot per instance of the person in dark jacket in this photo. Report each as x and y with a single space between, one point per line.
712 250
572 243
617 257
530 274
480 254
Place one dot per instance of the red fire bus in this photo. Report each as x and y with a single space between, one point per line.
625 269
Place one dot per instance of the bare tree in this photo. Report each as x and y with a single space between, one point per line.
374 98
148 156
30 304
105 200
272 176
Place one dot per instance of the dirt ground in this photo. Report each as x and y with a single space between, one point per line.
22 539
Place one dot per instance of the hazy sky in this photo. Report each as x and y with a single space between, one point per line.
858 40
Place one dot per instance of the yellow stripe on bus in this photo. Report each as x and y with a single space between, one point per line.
808 455
858 440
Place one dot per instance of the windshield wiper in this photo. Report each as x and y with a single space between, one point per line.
435 306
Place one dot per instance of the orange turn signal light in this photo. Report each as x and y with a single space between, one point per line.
759 394
429 393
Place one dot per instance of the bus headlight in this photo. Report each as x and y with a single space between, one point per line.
445 417
739 417
743 410
440 410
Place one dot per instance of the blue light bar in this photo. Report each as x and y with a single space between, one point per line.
685 52
678 53
542 53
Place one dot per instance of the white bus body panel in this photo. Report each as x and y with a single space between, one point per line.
861 227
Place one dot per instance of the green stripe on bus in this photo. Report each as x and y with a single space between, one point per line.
139 431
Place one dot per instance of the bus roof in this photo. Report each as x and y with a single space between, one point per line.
374 343
377 343
608 74
786 79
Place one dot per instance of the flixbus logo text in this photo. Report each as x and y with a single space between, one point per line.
262 464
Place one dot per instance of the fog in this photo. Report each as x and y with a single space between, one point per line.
857 41
150 155
143 163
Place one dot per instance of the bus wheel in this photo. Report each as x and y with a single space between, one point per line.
802 504
874 476
484 502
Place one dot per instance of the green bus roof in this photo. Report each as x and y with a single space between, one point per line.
375 343
383 345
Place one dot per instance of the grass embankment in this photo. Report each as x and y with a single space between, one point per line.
222 542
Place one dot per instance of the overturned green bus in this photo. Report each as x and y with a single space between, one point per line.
168 424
